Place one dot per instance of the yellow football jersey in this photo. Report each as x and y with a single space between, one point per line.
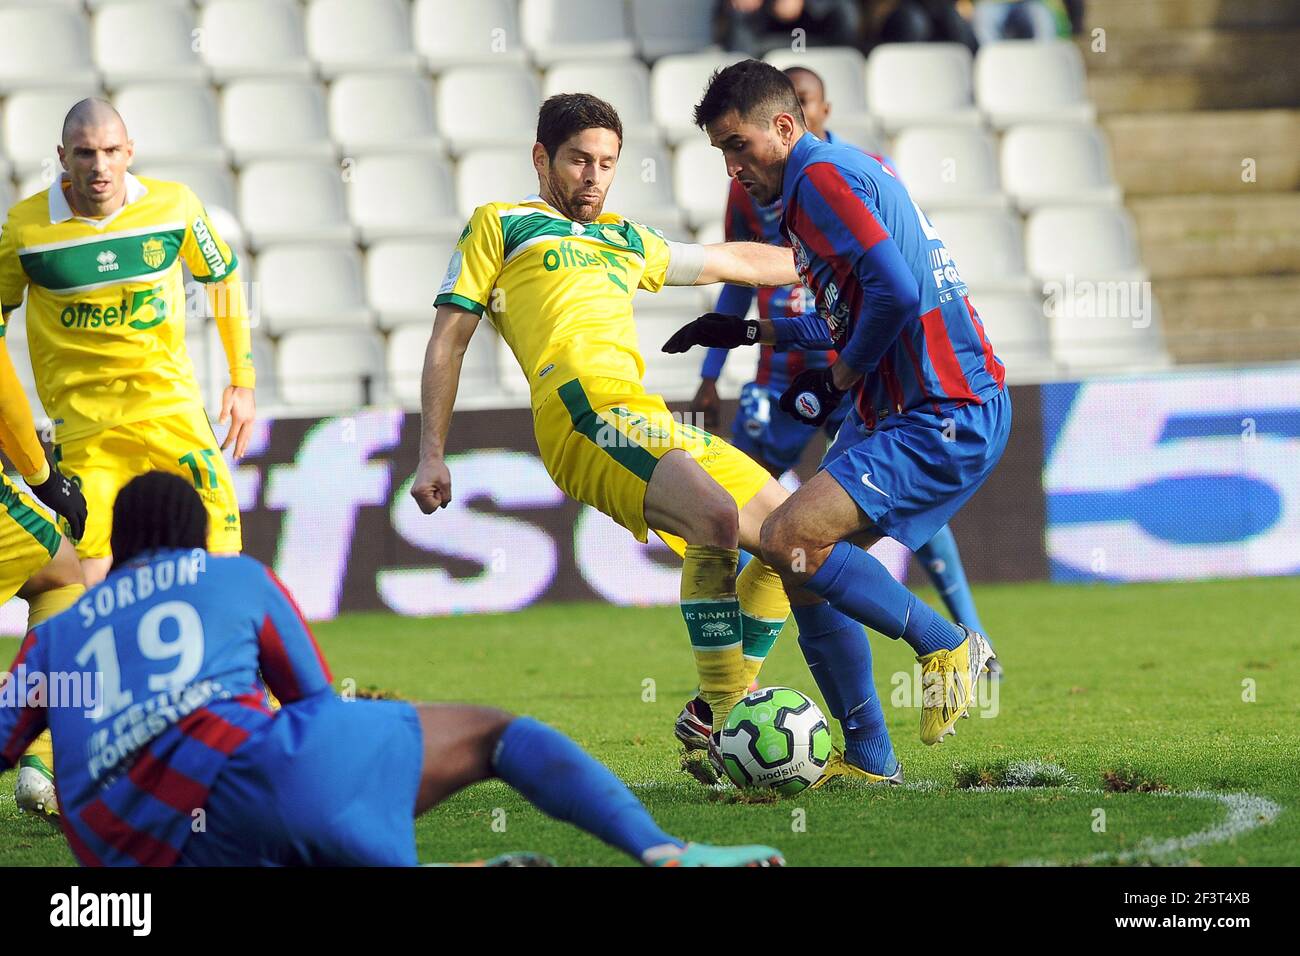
106 303
559 292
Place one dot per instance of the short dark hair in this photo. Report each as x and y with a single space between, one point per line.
754 89
565 114
157 510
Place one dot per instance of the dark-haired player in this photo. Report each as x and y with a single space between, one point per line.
173 756
556 273
929 417
761 429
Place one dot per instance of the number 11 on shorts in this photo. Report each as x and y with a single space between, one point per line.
191 460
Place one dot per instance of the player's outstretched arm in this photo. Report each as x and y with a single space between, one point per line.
452 329
748 263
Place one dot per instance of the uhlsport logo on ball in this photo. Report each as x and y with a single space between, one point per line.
808 405
776 738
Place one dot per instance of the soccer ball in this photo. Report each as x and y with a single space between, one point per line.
776 738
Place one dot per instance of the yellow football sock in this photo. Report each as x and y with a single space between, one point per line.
764 608
712 616
40 608
45 605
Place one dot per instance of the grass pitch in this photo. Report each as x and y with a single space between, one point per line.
1137 724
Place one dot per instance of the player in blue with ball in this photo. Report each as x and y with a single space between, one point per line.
929 415
153 688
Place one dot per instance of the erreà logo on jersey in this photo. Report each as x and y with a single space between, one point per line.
208 246
107 261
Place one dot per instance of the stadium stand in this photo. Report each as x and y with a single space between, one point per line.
347 140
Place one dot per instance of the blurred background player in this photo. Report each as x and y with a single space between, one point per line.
556 274
322 781
930 414
36 562
100 256
761 429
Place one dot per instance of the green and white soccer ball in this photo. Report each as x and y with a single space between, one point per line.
776 738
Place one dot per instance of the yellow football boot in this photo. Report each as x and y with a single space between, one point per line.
948 680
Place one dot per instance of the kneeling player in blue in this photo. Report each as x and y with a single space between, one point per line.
167 753
929 419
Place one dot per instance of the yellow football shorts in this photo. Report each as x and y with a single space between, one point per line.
182 444
28 539
601 438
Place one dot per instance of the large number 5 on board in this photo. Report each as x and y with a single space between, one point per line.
186 648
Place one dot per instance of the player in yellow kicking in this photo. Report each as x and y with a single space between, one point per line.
556 275
36 562
99 255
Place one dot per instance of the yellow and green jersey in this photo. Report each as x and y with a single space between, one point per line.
106 303
559 292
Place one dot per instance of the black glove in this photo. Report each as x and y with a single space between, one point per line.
811 397
63 496
715 331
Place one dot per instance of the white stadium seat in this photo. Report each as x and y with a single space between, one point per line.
46 45
1014 322
33 126
643 188
1049 165
480 370
203 342
676 377
676 85
271 118
843 71
700 174
663 27
211 181
293 200
988 247
34 182
249 38
372 112
146 41
625 85
1093 242
172 122
860 131
945 166
588 29
402 278
1106 330
483 32
920 83
494 175
325 369
488 106
311 286
1023 81
710 232
392 196
360 35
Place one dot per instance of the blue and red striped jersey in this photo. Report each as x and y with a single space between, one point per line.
888 295
152 680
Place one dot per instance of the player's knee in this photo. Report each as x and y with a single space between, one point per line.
721 524
779 542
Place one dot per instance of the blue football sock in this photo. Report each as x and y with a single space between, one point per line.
942 562
743 559
839 657
860 586
563 781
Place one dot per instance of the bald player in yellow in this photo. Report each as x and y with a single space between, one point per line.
556 275
36 562
99 255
